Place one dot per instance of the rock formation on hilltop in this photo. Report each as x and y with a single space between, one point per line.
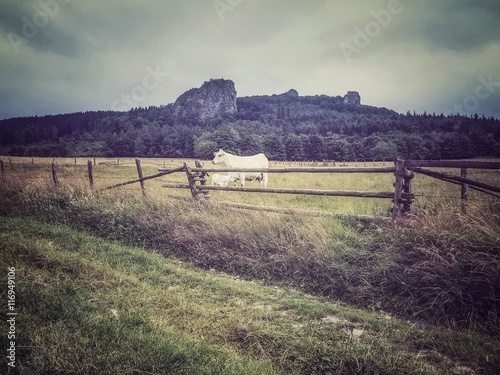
213 98
292 93
217 97
352 97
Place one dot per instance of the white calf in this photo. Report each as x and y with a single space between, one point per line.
222 180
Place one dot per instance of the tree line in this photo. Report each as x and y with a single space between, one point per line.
283 127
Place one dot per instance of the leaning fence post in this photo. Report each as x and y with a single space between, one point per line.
91 176
465 190
191 182
54 174
139 172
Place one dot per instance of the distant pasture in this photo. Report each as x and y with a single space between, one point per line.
431 194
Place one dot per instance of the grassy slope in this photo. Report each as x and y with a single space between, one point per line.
87 305
443 267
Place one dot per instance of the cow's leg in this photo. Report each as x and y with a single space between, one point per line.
265 176
260 179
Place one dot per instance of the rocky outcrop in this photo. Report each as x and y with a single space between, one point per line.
352 97
214 98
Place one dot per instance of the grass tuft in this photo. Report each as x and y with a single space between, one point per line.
449 266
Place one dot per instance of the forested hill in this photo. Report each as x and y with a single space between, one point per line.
285 126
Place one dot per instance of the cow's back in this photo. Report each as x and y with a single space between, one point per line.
254 161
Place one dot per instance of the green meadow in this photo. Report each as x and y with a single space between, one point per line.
431 194
115 282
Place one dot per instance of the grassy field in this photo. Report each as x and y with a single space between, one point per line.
131 284
90 306
431 194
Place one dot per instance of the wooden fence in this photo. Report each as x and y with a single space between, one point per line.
420 166
401 195
402 198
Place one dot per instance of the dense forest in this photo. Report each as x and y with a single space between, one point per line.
284 127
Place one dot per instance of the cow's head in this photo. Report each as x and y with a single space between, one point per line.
219 157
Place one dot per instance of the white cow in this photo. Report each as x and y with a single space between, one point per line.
222 180
228 160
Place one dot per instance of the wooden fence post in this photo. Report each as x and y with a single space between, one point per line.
464 191
398 188
91 176
191 182
407 177
193 178
2 170
403 197
201 178
54 174
139 172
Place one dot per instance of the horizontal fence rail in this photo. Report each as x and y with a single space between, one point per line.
419 166
299 170
330 193
142 179
456 179
472 164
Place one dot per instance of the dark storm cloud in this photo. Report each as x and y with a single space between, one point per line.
464 25
422 55
33 24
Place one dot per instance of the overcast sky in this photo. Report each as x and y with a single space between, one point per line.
63 56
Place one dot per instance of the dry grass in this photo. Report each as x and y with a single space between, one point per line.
123 310
432 195
440 264
442 267
449 265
